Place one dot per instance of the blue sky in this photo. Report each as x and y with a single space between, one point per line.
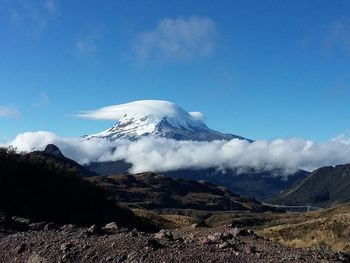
260 69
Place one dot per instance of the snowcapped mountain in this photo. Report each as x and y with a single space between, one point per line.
154 118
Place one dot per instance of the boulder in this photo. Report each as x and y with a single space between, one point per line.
111 225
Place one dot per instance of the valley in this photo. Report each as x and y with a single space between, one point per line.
206 221
54 209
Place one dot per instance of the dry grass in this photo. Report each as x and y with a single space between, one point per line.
156 219
329 229
164 221
180 220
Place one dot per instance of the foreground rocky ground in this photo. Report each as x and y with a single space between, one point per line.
46 243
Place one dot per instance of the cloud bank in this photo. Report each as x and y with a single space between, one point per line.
179 39
160 154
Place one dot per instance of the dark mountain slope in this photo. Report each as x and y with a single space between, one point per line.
260 185
323 187
155 191
37 187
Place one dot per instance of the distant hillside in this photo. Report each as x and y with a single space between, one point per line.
155 191
260 185
324 187
38 187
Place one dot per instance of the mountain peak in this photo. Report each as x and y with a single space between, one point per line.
154 117
53 150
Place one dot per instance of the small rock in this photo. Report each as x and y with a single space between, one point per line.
226 236
20 248
343 257
206 241
120 259
180 240
164 234
65 257
36 258
223 245
239 232
214 237
111 225
21 220
250 232
133 233
66 246
37 226
154 244
133 256
93 230
233 242
49 226
249 250
200 224
190 237
67 227
85 246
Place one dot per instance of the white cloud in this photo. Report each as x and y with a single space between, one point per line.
87 45
160 154
179 39
158 109
83 151
343 138
197 115
9 112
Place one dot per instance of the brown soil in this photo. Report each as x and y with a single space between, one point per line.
190 244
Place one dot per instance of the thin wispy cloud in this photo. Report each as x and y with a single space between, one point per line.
35 15
343 138
87 45
338 35
42 100
9 112
339 91
179 39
